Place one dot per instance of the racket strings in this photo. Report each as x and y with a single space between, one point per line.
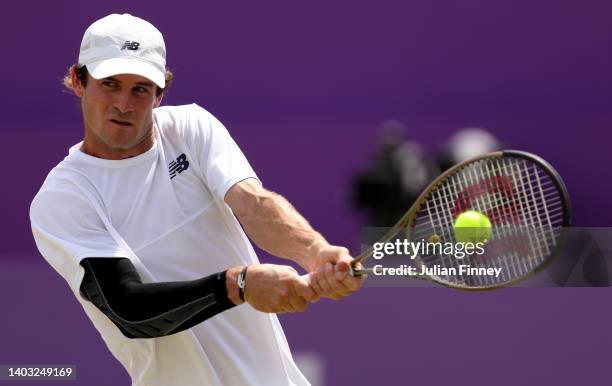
524 204
521 201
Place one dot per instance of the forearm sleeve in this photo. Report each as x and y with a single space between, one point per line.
150 310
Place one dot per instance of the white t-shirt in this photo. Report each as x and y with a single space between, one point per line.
164 210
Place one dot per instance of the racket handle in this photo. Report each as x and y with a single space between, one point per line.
353 272
361 272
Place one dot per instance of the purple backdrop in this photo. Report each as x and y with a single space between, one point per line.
302 87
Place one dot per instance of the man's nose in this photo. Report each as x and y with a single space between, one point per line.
123 102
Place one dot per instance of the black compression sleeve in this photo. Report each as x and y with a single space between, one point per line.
148 310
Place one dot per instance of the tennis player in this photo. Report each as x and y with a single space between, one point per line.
143 220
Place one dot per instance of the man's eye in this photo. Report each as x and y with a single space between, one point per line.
141 90
109 84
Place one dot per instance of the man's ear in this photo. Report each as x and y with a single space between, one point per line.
158 99
77 86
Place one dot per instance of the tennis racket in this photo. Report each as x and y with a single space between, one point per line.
523 197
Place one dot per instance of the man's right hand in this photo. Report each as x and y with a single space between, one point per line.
272 288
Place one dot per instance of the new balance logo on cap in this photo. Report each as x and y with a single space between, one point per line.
128 45
180 165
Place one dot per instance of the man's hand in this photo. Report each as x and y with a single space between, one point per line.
274 288
330 272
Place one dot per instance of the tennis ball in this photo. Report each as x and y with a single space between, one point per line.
472 227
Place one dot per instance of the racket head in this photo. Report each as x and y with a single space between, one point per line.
523 196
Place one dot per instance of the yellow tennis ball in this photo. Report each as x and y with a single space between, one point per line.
472 227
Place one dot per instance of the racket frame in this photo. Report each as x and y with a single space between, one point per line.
407 220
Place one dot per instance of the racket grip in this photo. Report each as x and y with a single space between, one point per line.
361 272
353 272
358 272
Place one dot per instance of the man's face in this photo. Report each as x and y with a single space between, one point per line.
117 113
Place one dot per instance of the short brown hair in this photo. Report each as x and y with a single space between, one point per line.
82 74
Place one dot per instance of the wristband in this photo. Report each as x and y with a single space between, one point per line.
241 281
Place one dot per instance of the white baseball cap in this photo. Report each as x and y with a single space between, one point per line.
124 44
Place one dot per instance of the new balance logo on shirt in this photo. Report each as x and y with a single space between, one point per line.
180 165
128 45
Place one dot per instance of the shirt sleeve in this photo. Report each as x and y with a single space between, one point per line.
222 162
67 229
